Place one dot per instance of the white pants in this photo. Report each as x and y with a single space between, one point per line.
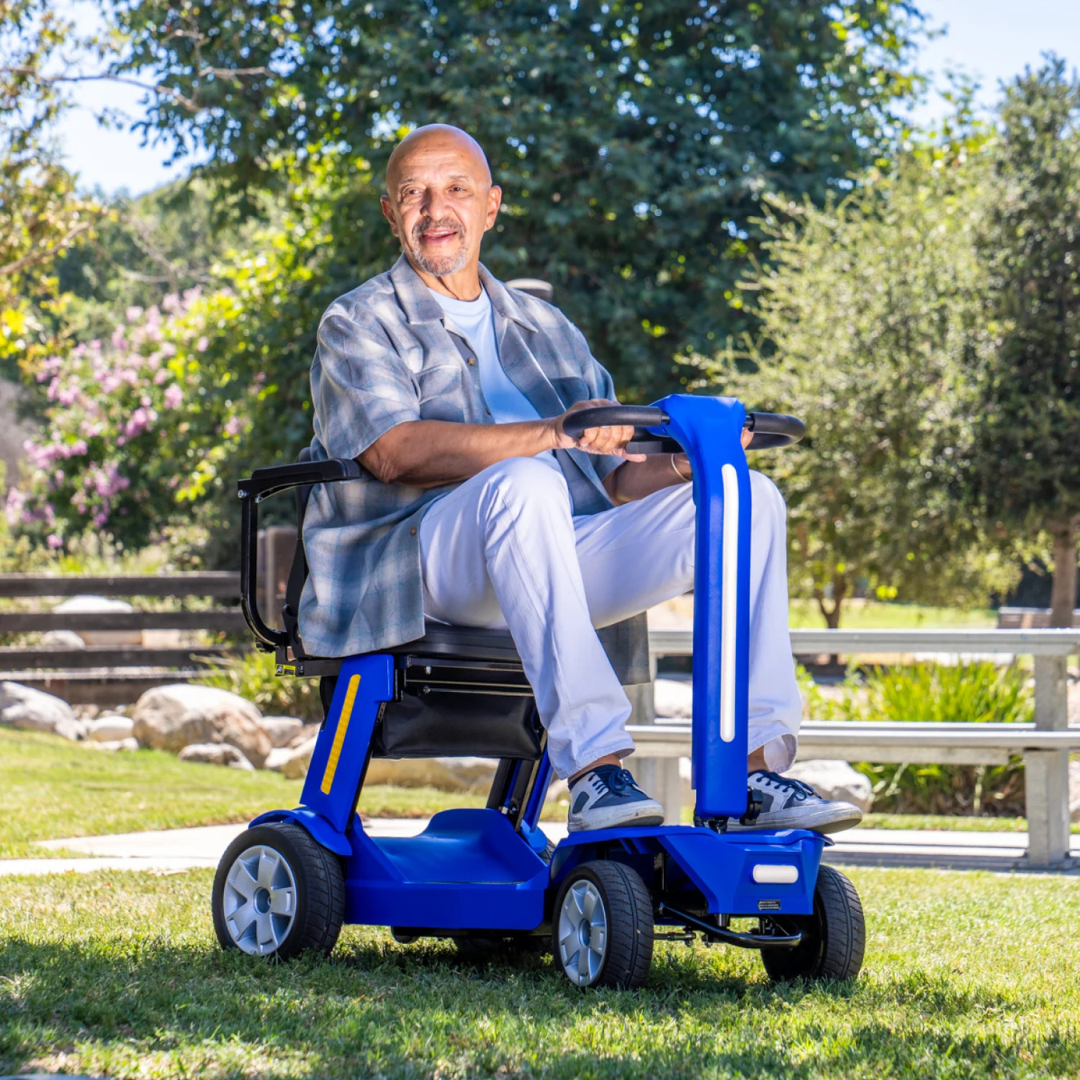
504 551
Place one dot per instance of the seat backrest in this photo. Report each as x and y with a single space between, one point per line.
290 613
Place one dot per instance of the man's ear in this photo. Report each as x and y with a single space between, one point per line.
388 213
494 201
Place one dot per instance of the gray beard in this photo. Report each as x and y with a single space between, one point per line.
440 267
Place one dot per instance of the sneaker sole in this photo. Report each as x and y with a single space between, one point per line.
616 818
823 821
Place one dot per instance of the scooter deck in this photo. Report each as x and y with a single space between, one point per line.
470 870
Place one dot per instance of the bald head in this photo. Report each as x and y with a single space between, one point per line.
444 138
439 202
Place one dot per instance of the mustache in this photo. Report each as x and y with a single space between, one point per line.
424 224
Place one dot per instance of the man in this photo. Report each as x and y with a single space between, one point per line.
479 510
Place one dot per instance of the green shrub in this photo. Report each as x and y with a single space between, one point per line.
252 677
953 693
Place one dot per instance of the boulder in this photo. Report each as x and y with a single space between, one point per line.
110 728
275 760
34 710
835 780
182 714
62 639
307 731
281 729
117 744
673 698
296 766
100 604
444 774
216 754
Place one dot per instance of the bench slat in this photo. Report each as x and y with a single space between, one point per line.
112 656
17 622
201 583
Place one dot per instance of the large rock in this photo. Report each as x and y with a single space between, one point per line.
34 710
281 729
295 767
215 754
673 698
110 728
100 604
837 780
444 774
172 717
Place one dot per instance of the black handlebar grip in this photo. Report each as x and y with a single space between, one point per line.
577 423
773 430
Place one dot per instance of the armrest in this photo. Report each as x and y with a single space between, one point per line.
274 478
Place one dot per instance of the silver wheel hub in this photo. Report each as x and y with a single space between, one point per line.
583 933
259 903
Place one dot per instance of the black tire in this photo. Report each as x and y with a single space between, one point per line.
834 937
628 911
309 871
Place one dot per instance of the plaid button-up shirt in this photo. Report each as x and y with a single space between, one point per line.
385 355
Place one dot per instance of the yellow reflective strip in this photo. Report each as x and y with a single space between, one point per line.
339 735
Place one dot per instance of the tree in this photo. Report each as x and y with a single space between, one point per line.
872 315
1029 434
42 214
633 141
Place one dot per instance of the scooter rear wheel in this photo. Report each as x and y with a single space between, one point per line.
602 926
278 893
834 937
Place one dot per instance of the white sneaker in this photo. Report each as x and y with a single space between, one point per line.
607 798
791 804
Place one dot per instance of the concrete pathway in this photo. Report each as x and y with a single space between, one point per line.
176 850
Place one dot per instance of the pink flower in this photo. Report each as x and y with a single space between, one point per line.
202 343
54 541
174 397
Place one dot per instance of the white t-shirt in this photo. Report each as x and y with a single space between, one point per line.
475 321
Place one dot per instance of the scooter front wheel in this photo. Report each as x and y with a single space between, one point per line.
602 926
833 938
278 893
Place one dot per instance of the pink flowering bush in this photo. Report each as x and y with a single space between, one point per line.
138 426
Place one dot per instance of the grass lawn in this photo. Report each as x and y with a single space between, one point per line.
871 614
51 788
119 974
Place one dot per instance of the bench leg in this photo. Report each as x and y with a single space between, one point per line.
1046 782
660 778
1046 773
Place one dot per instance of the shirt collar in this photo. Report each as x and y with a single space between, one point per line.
421 307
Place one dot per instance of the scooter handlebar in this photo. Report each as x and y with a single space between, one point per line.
770 429
576 424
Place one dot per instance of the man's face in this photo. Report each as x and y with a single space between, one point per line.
440 201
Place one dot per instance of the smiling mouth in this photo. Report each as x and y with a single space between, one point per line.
438 236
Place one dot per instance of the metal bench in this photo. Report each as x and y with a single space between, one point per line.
1044 745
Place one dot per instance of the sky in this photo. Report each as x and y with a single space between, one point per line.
992 40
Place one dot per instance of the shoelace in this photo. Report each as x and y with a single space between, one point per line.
802 790
618 781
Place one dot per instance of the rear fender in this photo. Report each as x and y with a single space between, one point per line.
322 832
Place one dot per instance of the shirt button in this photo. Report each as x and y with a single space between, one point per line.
412 532
471 361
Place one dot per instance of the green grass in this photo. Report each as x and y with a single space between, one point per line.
51 788
874 615
119 974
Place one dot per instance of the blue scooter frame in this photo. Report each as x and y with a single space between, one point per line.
472 870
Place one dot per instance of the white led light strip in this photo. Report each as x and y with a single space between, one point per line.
729 601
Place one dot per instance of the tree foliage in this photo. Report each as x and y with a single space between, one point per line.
872 314
633 141
1029 435
41 212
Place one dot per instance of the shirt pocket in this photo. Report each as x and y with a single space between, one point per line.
442 392
571 389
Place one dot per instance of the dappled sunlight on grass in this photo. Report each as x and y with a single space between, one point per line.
121 974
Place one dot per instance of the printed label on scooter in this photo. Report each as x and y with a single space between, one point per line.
768 905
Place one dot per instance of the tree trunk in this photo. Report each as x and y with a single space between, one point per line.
1063 596
831 615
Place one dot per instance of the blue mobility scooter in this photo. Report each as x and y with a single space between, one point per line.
489 878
